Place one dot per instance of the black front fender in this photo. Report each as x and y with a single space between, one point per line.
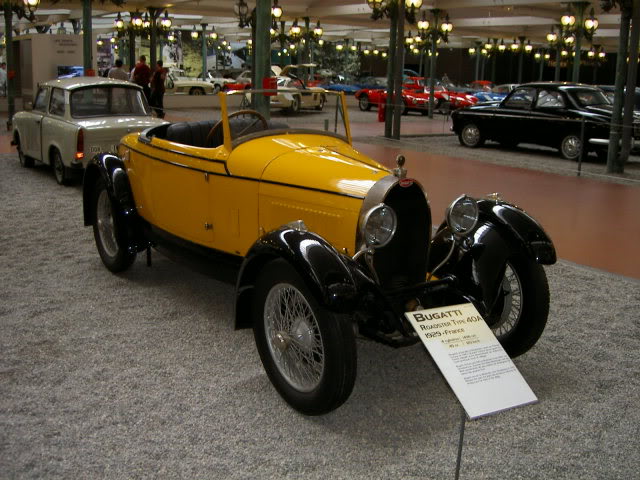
478 262
327 274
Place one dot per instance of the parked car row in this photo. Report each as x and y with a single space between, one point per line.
415 97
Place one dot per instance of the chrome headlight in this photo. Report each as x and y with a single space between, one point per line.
462 215
379 226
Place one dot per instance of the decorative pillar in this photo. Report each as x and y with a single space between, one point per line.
398 104
262 48
153 36
204 50
520 59
615 132
11 68
87 35
132 46
632 79
391 67
580 8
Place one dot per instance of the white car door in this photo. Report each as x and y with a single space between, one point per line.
31 138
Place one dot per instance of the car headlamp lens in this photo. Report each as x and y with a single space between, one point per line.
379 226
462 215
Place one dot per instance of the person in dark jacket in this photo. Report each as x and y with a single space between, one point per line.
141 75
157 89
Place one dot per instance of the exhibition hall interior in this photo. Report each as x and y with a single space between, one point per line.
311 239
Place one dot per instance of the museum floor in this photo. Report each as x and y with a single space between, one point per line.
593 219
142 375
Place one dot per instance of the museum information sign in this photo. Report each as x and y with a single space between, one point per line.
473 362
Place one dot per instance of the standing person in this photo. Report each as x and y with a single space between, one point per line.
157 89
141 75
117 72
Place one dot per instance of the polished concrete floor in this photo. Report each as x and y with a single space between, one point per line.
592 222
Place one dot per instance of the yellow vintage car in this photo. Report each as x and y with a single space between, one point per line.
322 242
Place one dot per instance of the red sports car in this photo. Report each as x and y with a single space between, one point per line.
415 95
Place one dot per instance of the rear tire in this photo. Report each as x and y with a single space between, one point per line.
471 136
25 161
109 231
196 91
570 147
61 172
308 352
320 106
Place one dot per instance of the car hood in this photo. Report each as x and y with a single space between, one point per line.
314 162
325 169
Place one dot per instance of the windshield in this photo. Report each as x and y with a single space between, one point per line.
104 101
589 97
318 111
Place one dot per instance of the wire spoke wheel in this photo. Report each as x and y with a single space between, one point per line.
110 232
308 351
294 337
512 310
106 226
520 313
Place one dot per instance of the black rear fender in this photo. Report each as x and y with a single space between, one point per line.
112 170
327 273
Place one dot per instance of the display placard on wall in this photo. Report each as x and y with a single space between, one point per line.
473 362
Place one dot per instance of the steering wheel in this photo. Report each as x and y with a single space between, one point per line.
253 113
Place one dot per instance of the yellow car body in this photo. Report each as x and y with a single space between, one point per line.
210 195
321 241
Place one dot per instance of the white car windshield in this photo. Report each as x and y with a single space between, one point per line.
104 101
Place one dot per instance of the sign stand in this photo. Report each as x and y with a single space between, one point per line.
472 361
460 442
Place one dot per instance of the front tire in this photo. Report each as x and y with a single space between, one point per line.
521 316
196 91
320 105
471 136
308 352
570 147
109 231
364 104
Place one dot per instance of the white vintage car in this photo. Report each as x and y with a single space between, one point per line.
218 81
293 95
187 85
75 118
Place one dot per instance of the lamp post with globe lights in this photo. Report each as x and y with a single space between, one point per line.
394 10
579 27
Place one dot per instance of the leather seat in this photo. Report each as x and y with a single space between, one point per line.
194 133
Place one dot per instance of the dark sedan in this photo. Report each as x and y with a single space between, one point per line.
545 113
